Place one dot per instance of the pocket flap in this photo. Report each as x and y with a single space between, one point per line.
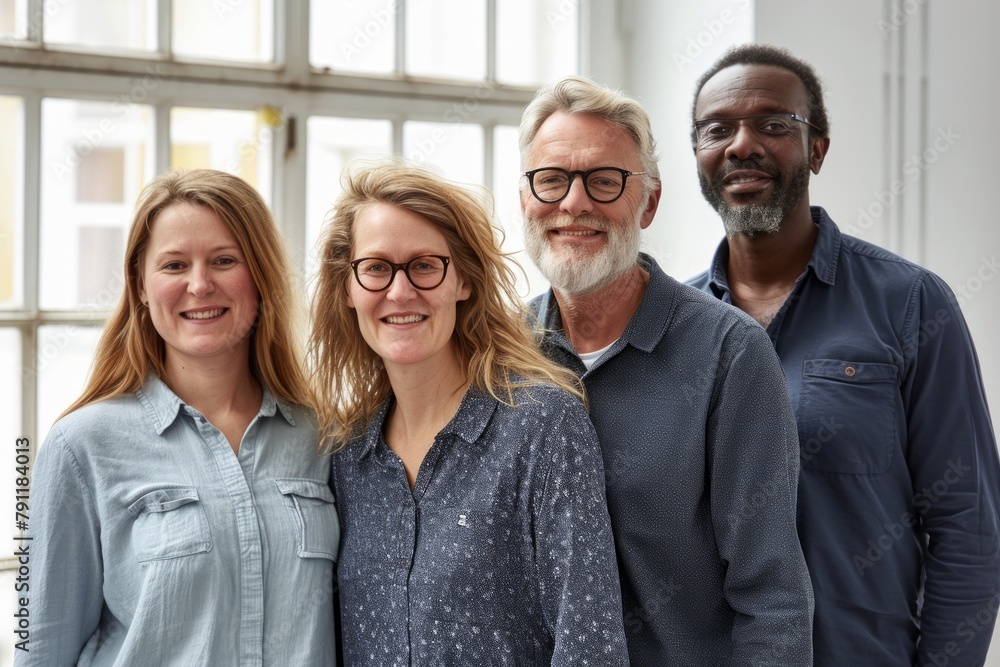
850 371
305 488
164 500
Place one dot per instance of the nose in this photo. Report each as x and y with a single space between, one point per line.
401 288
576 202
200 281
744 143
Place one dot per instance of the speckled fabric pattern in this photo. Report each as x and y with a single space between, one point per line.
502 553
701 455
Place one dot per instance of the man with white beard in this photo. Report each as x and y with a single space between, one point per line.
686 394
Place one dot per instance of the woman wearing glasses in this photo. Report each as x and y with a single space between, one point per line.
181 513
470 483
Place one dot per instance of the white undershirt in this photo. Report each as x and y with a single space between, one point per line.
588 358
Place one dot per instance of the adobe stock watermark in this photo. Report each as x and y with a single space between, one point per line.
965 292
968 629
425 147
106 299
712 29
763 493
637 617
895 531
901 13
371 30
49 9
121 108
563 12
913 170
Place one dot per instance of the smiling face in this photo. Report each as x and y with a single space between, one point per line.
405 326
756 181
201 297
578 244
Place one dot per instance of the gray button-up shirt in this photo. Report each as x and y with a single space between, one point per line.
701 454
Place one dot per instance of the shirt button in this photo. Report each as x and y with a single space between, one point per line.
850 371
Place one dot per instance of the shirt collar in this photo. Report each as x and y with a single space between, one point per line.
824 259
469 422
648 323
162 405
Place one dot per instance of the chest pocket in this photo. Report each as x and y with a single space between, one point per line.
170 523
314 516
847 416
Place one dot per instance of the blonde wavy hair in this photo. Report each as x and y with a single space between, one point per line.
495 344
130 348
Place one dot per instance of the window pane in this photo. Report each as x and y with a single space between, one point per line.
357 36
333 142
537 41
11 202
14 19
96 156
446 38
241 30
235 141
455 149
506 179
65 354
101 24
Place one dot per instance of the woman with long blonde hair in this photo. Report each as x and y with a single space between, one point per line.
468 477
181 512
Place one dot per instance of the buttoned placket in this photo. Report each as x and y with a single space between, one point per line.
236 472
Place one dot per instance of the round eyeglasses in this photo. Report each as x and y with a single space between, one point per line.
603 184
424 272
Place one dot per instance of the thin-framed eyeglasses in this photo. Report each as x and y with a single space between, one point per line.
602 184
424 272
717 132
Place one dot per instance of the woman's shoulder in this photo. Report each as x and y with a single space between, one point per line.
544 401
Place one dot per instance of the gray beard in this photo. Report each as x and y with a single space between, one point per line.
758 219
751 220
584 273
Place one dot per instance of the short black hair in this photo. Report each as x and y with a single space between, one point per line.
766 54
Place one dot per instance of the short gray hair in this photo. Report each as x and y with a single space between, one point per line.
576 94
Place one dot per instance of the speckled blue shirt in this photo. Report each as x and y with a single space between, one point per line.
500 555
701 454
900 484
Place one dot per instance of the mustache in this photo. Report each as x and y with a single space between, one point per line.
560 220
750 163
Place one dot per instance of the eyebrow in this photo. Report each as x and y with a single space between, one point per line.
218 249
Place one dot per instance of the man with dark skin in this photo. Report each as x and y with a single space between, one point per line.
900 482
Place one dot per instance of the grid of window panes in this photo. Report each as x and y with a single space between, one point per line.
188 83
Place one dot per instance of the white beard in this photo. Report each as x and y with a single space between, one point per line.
575 270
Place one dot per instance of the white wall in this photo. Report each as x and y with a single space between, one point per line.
912 90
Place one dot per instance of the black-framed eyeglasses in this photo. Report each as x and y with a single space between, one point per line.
602 184
424 272
715 132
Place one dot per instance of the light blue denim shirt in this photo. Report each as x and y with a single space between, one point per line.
152 543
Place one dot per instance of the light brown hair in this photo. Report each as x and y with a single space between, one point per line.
492 336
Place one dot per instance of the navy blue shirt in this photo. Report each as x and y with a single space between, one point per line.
701 455
899 476
501 554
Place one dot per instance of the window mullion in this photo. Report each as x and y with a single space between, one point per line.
35 21
164 28
31 230
491 40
